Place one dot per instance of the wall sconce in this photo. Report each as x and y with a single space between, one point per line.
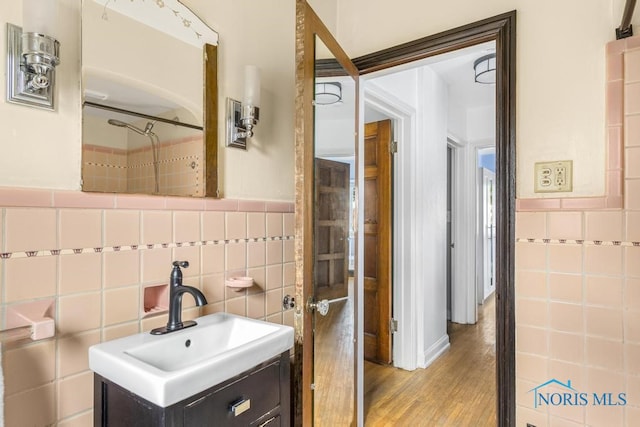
32 55
485 69
242 117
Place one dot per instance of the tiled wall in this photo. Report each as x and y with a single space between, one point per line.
93 254
578 290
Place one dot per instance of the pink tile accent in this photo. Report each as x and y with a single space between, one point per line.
614 183
25 197
221 205
616 47
77 199
184 203
251 206
279 207
614 202
582 203
134 201
614 147
615 66
537 204
615 98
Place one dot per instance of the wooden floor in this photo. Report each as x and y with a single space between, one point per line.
457 390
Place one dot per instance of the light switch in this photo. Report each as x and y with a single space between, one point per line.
554 177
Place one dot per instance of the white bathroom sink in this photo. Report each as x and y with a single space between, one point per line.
165 369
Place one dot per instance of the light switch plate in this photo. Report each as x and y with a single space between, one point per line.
554 177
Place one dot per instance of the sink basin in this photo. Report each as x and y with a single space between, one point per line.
165 369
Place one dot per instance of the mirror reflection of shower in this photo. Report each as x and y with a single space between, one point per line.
155 142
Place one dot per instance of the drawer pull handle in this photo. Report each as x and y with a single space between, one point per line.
240 406
269 421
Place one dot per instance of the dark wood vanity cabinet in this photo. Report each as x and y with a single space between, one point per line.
259 397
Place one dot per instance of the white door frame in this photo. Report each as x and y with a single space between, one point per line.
405 340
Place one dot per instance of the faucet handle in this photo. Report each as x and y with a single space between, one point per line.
183 264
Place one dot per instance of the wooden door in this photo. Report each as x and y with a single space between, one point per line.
331 229
377 241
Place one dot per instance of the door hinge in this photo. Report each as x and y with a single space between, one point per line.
393 326
393 148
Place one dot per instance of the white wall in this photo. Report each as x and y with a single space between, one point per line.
42 149
560 69
423 90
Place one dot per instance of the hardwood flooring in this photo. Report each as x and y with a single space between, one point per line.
457 390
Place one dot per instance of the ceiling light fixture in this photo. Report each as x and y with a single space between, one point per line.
485 69
328 93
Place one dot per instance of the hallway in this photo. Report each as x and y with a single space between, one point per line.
457 390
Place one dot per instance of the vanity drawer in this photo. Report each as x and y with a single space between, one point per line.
240 403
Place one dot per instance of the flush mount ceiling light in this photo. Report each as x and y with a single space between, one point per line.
328 93
485 69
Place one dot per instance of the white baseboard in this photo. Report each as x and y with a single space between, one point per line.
433 352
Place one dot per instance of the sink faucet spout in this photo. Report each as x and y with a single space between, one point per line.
176 291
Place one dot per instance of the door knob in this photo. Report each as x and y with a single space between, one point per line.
321 306
288 302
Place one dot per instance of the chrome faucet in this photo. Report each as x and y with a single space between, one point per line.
176 290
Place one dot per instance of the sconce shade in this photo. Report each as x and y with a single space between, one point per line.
328 93
485 69
40 16
251 86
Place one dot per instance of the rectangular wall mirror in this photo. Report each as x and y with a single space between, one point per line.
149 113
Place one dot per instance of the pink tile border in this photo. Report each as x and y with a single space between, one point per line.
614 149
42 198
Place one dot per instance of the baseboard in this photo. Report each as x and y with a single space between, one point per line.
433 352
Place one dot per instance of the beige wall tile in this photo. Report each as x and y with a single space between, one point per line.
632 194
565 258
274 252
121 305
156 265
564 225
604 322
121 268
80 228
121 227
604 226
632 294
275 224
213 259
567 347
632 98
289 274
632 65
526 415
73 352
256 254
632 327
75 394
632 223
81 420
153 322
631 257
213 288
186 226
35 407
604 353
187 253
531 256
157 227
523 396
256 306
632 162
217 307
274 276
30 229
565 287
259 280
531 367
604 416
213 227
632 358
27 278
531 340
288 251
236 256
531 225
235 225
256 225
80 273
603 260
274 301
531 312
78 313
29 367
119 331
566 317
531 284
288 318
289 224
603 290
236 306
275 318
